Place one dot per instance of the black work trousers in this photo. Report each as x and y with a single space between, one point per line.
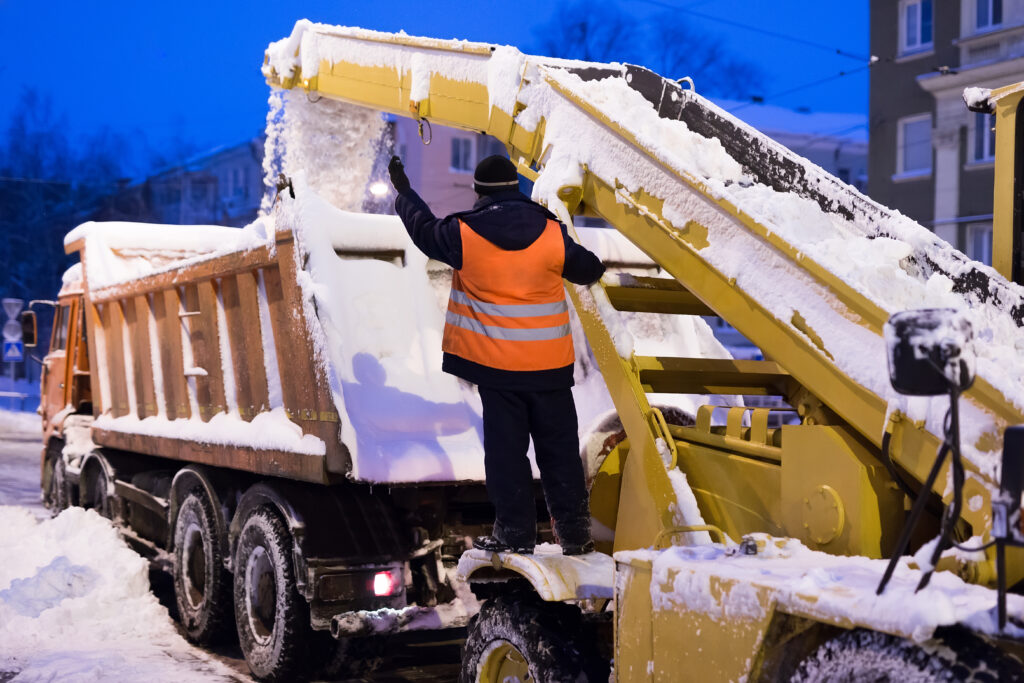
510 419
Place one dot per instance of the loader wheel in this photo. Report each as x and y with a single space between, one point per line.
202 586
271 617
861 656
522 638
57 496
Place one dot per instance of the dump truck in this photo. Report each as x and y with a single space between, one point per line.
225 396
874 537
262 412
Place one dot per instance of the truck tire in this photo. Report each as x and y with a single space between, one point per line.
98 497
271 617
862 655
523 638
202 586
57 497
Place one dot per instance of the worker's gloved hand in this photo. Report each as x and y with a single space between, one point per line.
398 177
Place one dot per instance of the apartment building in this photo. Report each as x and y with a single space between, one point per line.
928 156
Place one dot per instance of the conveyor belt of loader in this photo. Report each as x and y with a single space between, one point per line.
800 368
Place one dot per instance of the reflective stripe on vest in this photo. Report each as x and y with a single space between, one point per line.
507 308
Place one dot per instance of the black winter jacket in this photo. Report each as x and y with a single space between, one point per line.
511 221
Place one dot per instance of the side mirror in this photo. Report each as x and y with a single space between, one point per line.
929 351
29 329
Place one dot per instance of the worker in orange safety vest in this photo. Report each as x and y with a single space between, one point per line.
507 331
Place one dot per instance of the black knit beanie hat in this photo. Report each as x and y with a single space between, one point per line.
495 174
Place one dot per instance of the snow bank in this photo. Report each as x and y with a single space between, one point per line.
12 422
75 606
827 587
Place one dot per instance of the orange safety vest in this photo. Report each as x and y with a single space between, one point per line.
507 309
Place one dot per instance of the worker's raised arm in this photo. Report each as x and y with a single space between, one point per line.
582 266
438 238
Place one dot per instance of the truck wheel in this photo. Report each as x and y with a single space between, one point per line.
98 497
862 655
522 638
271 617
202 587
57 496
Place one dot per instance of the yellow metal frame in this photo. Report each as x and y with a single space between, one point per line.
1006 102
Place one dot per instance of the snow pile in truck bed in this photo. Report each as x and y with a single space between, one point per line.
830 588
403 419
75 606
118 252
270 430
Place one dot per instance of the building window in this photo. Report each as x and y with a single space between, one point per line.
979 243
984 147
916 29
199 190
914 145
989 14
462 155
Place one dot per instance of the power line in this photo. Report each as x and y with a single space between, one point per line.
39 181
798 88
758 29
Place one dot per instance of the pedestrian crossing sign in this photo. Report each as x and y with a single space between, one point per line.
13 351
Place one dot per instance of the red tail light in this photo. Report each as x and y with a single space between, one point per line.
383 584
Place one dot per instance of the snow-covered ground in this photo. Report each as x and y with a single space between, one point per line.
75 601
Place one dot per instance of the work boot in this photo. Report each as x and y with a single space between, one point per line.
578 549
574 536
495 545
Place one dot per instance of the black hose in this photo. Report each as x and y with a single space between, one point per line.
891 467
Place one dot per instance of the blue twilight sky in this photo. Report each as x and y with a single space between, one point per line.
191 69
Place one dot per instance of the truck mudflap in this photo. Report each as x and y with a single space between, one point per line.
720 606
555 577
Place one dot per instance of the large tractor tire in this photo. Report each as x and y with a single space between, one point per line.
271 617
861 656
522 638
202 586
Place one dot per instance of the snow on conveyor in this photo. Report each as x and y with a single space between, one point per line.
75 606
